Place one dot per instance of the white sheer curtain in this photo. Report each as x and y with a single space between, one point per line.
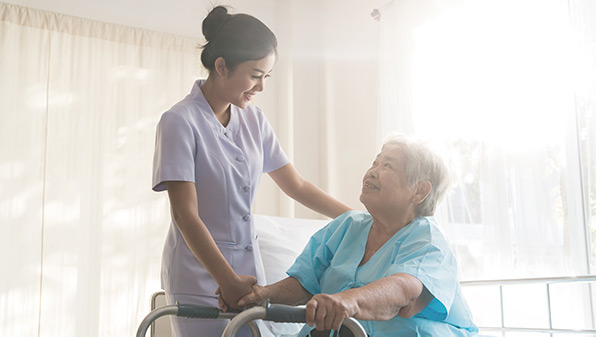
81 231
507 91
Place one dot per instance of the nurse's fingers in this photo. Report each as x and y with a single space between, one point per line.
220 301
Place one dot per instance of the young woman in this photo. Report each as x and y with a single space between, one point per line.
211 150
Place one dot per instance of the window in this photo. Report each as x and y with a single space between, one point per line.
507 91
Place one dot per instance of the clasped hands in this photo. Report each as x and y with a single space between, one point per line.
323 311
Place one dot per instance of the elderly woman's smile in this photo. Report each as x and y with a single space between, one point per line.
385 188
368 184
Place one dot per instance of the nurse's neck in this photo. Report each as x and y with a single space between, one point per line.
219 105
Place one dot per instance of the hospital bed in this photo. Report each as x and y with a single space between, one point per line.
282 239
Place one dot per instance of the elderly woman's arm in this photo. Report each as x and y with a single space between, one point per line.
287 291
398 294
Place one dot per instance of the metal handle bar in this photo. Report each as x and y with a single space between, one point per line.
282 313
190 311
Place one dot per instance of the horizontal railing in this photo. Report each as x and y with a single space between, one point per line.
547 281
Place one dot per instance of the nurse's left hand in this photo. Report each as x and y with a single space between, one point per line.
223 306
327 312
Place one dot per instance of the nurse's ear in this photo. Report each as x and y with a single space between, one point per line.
220 67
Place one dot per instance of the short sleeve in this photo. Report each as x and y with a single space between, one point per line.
173 159
273 155
425 255
318 253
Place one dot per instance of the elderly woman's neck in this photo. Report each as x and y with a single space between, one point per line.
392 224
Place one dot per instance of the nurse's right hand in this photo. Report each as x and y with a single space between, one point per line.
233 290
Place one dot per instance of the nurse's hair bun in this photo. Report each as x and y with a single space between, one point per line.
236 38
215 21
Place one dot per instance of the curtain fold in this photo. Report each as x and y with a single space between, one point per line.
81 231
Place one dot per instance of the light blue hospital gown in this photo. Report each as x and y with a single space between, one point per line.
329 264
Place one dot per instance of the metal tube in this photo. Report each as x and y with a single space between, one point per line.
353 325
502 306
550 315
542 330
174 310
153 315
260 312
242 318
507 282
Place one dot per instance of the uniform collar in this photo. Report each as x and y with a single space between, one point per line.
205 108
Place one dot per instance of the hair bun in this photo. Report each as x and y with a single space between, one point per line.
214 21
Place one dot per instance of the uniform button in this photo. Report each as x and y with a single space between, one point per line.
249 248
246 188
246 217
240 158
226 133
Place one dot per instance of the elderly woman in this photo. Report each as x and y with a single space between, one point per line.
391 267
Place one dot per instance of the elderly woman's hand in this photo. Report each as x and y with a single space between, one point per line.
327 312
256 297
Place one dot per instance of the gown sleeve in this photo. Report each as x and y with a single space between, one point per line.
318 253
173 159
425 254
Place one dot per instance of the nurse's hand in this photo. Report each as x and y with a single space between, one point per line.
327 312
236 288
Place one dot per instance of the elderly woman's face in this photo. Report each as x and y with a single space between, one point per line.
385 185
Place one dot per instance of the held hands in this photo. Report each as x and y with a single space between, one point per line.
258 295
233 290
327 312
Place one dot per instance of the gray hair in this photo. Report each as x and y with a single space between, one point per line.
422 164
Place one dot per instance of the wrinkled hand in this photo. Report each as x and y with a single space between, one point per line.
257 296
232 291
327 312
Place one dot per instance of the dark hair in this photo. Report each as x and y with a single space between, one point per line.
235 37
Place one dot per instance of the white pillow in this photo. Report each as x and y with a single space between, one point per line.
281 241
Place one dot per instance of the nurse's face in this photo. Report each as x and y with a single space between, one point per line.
385 186
247 79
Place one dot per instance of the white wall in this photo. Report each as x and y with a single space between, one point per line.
334 83
325 76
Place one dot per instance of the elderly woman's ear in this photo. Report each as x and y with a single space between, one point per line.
423 189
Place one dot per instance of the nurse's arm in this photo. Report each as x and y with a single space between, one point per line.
306 193
183 200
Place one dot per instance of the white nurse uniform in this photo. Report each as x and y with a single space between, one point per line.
225 164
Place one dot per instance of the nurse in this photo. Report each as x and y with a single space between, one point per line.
210 152
391 267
